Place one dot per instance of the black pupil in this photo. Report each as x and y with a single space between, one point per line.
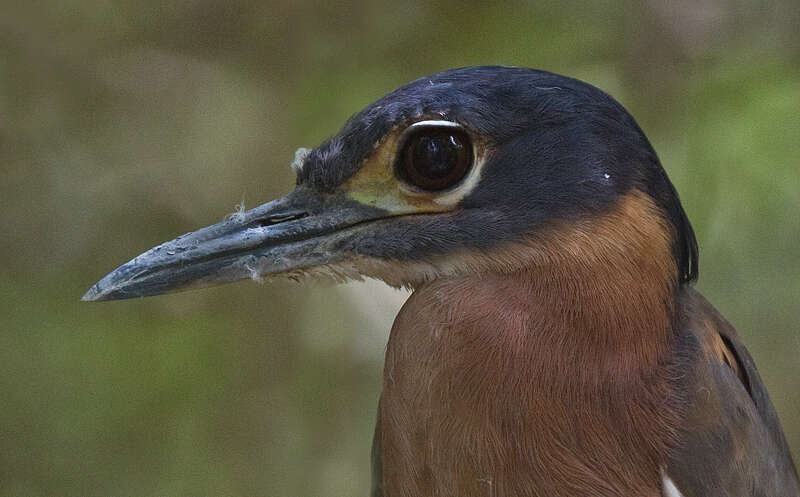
434 159
435 156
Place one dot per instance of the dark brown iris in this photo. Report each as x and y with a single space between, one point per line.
435 158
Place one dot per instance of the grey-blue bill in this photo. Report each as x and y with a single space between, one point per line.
302 229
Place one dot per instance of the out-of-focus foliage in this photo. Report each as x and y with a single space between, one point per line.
125 123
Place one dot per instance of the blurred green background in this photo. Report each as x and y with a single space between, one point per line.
123 124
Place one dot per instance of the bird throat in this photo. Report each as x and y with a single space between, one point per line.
546 380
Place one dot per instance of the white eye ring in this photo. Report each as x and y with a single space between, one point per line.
458 167
449 197
413 128
433 123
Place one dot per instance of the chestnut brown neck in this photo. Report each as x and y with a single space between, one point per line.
598 291
536 370
605 294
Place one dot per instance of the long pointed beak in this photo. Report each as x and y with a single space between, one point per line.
300 230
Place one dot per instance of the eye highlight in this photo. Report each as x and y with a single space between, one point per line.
434 155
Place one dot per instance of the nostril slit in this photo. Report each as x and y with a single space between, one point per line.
280 218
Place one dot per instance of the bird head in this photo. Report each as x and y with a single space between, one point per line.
480 169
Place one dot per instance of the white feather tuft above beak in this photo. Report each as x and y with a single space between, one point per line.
299 159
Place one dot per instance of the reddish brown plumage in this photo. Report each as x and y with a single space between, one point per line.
590 372
576 361
552 380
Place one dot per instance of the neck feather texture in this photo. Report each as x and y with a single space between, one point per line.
561 370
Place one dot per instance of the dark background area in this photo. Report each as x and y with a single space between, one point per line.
123 124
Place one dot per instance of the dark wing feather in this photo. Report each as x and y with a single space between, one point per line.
732 444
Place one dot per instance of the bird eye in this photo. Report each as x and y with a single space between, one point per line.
435 158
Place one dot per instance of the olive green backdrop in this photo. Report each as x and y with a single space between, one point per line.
123 124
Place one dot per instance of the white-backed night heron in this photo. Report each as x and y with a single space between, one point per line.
553 345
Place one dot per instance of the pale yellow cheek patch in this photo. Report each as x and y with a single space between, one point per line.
376 185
